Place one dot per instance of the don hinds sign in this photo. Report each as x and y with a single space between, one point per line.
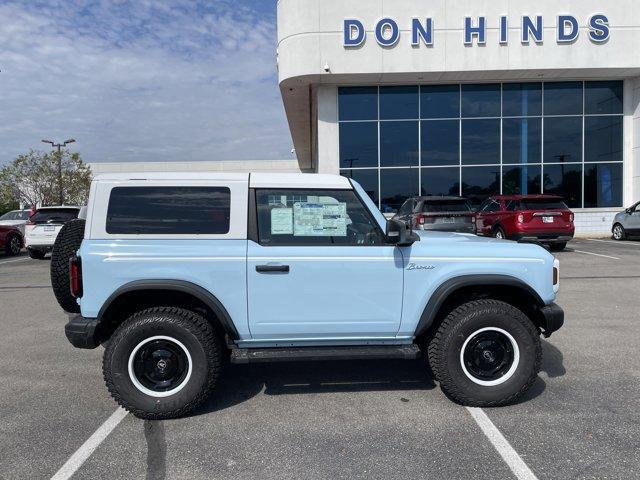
567 29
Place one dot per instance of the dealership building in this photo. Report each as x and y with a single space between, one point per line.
451 97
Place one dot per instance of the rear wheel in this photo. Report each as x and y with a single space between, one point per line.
618 232
485 353
162 362
558 247
37 254
13 245
66 245
499 233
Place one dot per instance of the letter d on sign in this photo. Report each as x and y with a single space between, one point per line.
354 33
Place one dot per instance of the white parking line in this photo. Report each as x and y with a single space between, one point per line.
84 452
597 254
16 260
622 244
504 448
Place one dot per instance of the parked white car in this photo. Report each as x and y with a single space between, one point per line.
42 229
16 218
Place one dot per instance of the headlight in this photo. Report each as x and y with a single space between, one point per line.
556 275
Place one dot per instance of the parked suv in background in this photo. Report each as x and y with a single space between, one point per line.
542 219
16 218
627 223
11 240
177 273
43 227
445 214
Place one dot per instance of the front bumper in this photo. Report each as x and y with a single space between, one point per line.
82 332
552 317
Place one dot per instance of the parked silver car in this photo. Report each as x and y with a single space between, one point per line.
627 223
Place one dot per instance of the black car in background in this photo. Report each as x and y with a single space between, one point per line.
443 214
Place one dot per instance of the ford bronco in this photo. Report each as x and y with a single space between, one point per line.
177 274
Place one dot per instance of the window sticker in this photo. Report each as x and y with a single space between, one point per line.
320 219
282 221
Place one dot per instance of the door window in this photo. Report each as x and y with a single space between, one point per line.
314 217
490 206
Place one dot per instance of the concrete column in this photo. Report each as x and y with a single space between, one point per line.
632 161
328 136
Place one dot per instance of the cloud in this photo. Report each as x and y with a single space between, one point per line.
142 80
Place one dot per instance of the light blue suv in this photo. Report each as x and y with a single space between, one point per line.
177 274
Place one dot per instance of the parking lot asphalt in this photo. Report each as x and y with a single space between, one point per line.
365 419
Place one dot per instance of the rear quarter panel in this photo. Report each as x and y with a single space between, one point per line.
218 266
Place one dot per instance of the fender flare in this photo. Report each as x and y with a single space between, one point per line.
450 286
183 286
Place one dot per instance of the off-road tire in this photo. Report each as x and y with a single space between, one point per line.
10 245
193 331
66 245
558 247
37 254
444 352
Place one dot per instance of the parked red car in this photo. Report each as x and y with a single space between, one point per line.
11 240
532 218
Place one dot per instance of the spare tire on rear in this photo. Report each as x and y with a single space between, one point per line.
66 245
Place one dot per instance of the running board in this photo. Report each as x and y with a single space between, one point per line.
258 355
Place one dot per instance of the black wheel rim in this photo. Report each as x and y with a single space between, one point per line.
488 355
15 245
160 365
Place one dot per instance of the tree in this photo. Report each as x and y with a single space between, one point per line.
33 180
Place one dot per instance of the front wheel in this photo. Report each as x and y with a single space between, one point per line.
485 353
618 232
162 362
13 245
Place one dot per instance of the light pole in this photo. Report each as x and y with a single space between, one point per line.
59 158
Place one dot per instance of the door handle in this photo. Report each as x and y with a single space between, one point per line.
272 268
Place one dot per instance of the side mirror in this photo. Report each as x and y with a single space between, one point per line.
400 233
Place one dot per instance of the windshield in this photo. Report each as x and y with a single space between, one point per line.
446 206
55 215
542 204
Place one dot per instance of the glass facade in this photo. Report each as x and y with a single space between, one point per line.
476 140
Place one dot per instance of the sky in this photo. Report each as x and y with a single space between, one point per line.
142 80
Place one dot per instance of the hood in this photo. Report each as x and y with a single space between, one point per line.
467 244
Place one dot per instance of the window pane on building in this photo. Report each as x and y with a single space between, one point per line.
398 144
396 186
440 181
562 139
603 97
603 185
481 100
359 144
440 142
440 101
368 180
521 99
566 181
521 140
521 180
480 182
480 142
563 98
358 103
398 103
603 139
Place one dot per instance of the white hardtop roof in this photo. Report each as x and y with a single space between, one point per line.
50 207
257 180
